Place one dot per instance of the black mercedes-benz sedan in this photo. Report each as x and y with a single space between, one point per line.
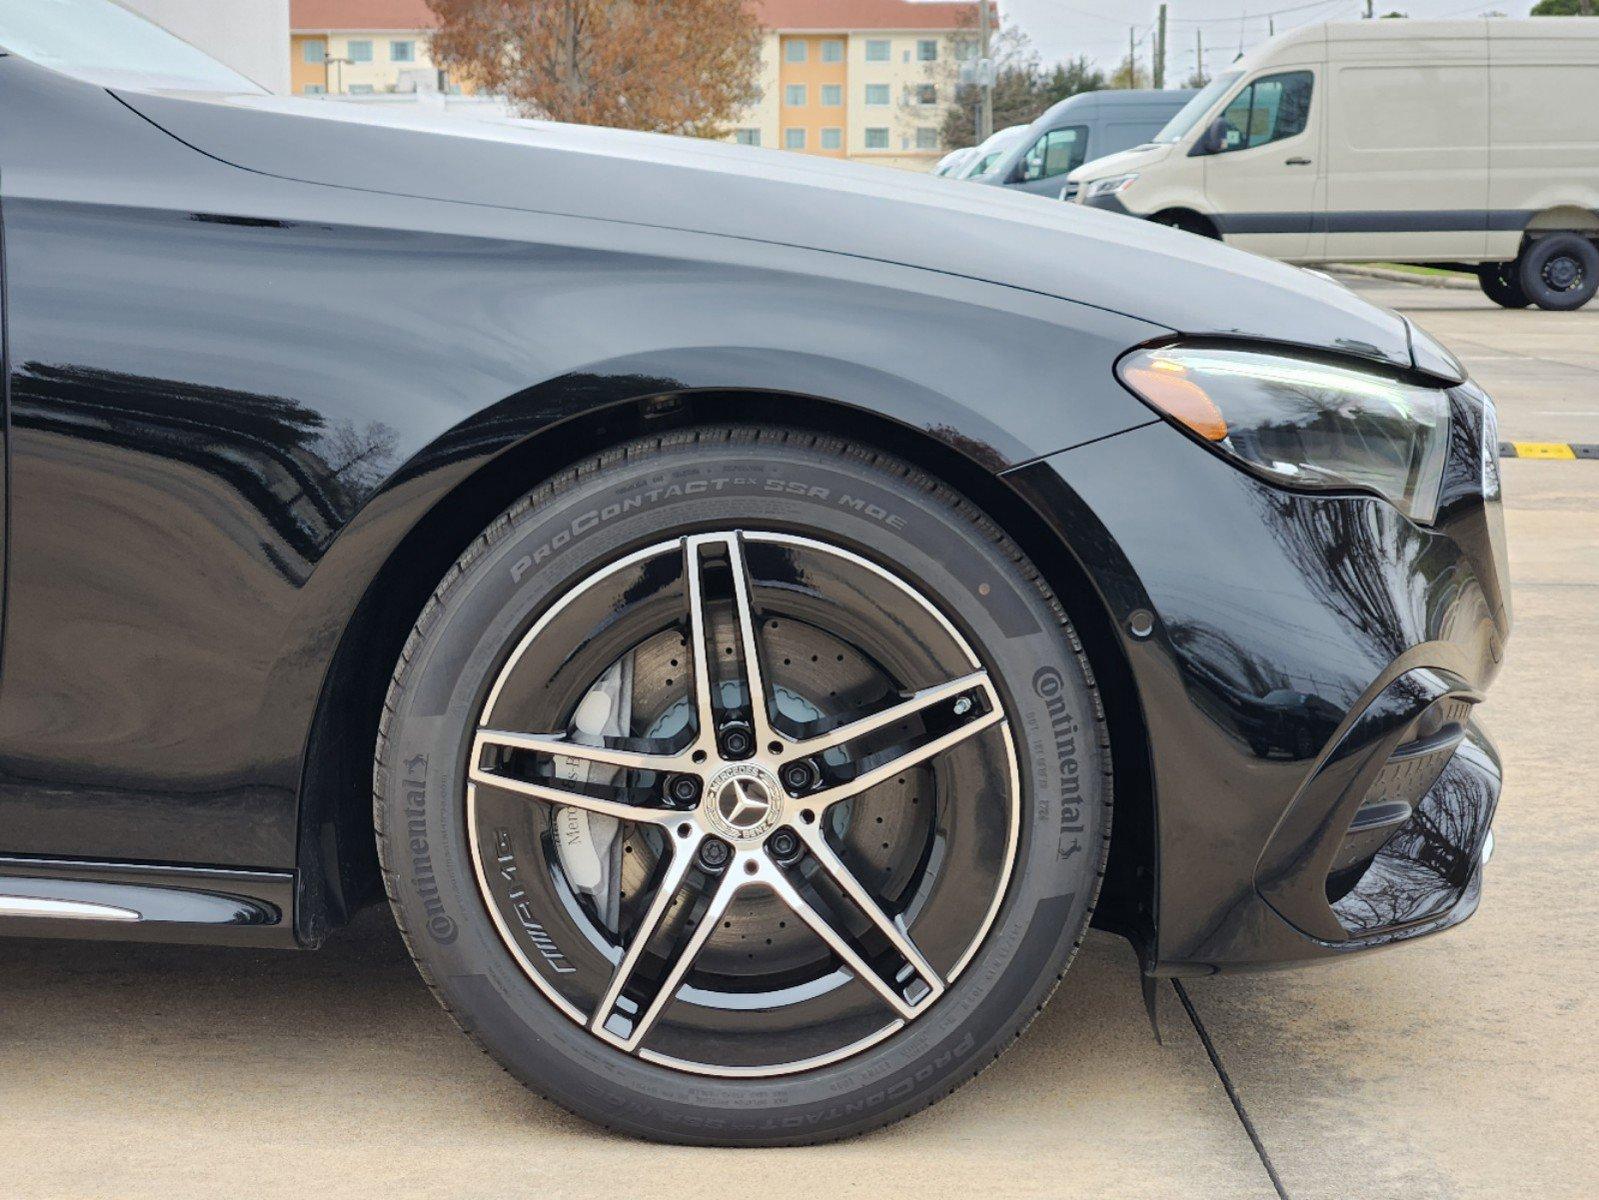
751 615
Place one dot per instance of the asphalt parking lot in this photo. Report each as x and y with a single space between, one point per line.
1464 1066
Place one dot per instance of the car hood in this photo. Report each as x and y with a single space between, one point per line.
1159 275
1120 163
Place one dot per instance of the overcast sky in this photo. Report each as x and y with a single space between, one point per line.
1098 28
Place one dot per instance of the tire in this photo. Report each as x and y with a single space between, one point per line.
833 543
1188 224
1559 272
1500 284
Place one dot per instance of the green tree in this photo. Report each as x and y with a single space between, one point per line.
1071 77
1020 90
1130 74
1565 8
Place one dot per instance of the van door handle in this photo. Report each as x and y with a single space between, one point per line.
1298 162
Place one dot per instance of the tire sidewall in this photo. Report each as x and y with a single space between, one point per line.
892 518
1538 254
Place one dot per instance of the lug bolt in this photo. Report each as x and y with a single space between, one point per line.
682 790
800 776
784 846
737 741
714 854
963 706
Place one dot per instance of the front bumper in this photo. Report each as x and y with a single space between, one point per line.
1108 203
1318 785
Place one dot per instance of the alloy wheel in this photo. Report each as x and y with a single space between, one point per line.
743 803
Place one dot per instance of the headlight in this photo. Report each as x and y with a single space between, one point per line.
1115 185
1303 423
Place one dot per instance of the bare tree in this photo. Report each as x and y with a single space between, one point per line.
668 66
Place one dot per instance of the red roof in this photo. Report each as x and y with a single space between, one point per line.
360 14
836 16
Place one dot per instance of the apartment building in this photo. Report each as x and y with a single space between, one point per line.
363 47
859 79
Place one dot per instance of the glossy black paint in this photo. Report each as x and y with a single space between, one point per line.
1263 593
175 904
269 373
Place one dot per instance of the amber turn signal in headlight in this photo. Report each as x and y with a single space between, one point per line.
1303 423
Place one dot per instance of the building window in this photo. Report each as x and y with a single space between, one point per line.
877 139
877 95
795 50
358 51
794 95
402 51
833 50
315 50
832 139
793 139
313 89
360 89
747 137
965 51
832 95
927 93
877 50
927 50
926 138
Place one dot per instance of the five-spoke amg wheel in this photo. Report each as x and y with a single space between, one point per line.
743 789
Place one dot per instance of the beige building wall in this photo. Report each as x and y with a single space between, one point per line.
390 58
885 77
759 124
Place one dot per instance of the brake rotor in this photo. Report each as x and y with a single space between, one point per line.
883 830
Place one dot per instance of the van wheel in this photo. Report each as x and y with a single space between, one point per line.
1559 272
1500 284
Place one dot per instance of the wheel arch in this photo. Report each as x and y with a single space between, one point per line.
1189 219
337 863
1564 218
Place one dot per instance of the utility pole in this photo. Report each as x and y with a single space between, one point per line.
985 111
1132 57
1369 13
1158 75
1199 55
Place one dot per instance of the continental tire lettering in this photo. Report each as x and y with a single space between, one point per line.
440 927
1050 688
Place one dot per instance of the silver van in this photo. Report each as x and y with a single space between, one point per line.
1080 128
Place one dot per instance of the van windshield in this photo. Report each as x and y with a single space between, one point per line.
104 43
1188 115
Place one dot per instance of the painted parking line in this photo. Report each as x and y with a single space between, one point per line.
1561 450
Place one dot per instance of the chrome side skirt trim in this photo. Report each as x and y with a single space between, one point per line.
66 910
145 902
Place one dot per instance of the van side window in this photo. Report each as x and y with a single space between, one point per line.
1270 109
1057 152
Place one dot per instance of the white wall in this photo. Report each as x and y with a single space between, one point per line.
251 36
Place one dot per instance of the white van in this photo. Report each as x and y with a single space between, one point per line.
1472 144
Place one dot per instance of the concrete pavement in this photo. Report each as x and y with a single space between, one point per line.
1463 1066
1543 367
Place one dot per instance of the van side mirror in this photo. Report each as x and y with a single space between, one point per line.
1215 139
